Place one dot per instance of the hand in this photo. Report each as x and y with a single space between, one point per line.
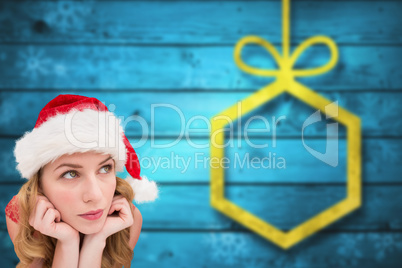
46 219
119 217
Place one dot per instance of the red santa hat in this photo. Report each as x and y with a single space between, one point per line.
76 124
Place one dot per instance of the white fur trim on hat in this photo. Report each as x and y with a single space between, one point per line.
144 189
74 132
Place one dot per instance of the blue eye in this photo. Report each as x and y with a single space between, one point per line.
72 174
106 169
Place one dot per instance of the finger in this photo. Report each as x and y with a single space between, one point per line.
116 200
115 207
41 208
122 208
112 209
42 197
49 218
58 216
33 212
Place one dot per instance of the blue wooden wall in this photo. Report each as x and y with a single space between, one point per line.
136 54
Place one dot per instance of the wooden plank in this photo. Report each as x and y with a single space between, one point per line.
81 67
248 250
284 206
226 249
188 113
183 163
201 22
7 253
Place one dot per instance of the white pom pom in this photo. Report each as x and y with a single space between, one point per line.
144 189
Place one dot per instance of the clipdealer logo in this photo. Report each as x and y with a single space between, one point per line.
239 136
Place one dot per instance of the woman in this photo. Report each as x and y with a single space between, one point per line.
74 211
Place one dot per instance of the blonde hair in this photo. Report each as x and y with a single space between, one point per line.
30 245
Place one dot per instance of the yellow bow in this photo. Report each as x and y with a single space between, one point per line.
285 62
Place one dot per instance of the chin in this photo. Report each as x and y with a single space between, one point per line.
87 230
91 227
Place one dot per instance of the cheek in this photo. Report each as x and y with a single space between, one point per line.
109 190
63 201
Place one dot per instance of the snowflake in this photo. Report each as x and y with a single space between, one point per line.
227 248
349 250
386 243
33 63
67 15
60 69
287 261
8 113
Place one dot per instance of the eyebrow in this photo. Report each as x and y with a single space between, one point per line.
78 166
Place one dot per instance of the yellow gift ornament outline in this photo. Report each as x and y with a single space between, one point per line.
285 82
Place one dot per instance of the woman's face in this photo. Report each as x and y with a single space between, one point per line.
81 186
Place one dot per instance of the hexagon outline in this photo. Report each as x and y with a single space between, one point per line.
286 240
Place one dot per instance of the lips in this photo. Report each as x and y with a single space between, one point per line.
92 215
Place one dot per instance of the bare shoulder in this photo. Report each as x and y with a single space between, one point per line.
12 228
12 218
135 229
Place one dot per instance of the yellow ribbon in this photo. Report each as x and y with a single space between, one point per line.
286 62
285 82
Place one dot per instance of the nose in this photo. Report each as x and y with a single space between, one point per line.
91 189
